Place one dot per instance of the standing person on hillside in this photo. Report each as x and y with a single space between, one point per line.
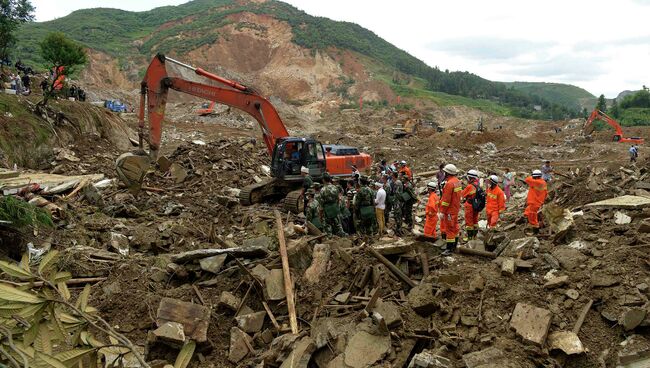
495 202
449 208
471 215
431 210
508 180
410 198
331 209
537 191
634 153
547 172
440 177
389 187
380 206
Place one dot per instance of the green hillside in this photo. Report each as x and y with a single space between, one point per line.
567 95
129 37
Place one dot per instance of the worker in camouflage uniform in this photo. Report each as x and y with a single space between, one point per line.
410 198
365 204
307 182
398 203
389 186
346 212
314 211
332 212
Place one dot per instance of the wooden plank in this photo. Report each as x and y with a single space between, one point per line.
374 295
204 253
583 315
195 318
271 316
424 258
396 271
288 286
475 252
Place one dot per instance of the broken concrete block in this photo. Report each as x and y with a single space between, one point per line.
343 298
421 299
390 312
364 349
264 242
477 283
644 226
531 323
301 354
252 322
427 359
170 332
275 285
601 280
572 293
508 266
634 352
213 264
178 173
621 218
229 301
484 357
558 219
527 247
260 272
556 282
120 243
299 253
632 318
626 201
239 345
194 318
320 259
567 341
475 244
569 258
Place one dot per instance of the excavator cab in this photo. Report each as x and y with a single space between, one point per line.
291 153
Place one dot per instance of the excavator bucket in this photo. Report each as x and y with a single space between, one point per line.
131 168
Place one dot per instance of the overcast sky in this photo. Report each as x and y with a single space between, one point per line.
602 46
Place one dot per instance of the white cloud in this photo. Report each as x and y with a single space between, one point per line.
599 45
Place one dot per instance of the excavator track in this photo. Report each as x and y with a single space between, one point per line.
294 202
255 193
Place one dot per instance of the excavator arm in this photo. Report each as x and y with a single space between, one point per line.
155 86
599 115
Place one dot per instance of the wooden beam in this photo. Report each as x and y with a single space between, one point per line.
396 271
583 315
288 286
475 252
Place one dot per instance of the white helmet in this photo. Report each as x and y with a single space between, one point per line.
537 173
432 185
494 179
402 162
472 173
450 169
304 170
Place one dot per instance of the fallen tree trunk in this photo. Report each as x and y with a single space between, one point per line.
251 252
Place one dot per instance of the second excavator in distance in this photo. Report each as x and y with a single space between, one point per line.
288 154
589 127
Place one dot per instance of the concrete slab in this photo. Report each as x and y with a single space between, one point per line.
626 201
531 323
365 349
567 341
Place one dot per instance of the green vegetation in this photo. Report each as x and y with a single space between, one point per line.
130 36
21 132
601 104
60 53
22 214
632 110
13 13
569 96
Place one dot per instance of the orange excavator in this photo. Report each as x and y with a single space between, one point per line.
288 154
588 128
206 109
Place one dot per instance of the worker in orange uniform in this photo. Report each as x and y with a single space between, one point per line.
404 169
431 211
537 192
495 202
468 194
449 208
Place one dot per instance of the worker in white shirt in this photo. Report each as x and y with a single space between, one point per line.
380 206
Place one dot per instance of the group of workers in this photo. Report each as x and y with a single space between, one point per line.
354 207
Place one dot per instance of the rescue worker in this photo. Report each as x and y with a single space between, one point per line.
431 210
389 187
330 201
495 202
449 208
537 191
364 202
410 198
380 207
347 209
405 170
440 176
307 182
468 194
398 203
314 212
